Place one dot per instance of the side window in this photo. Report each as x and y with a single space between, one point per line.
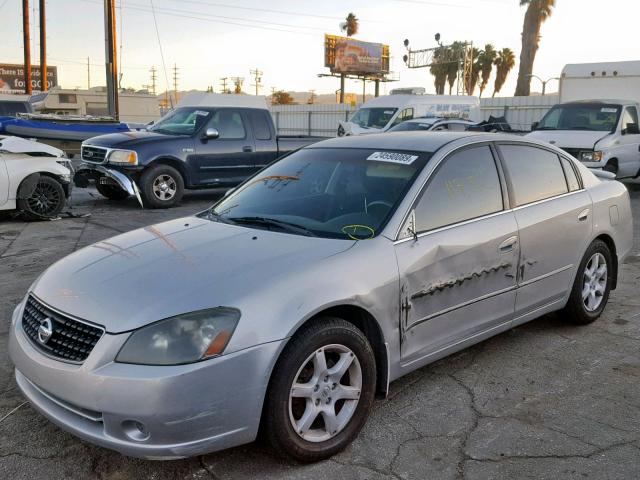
570 173
261 130
465 186
406 114
535 174
630 116
229 124
457 127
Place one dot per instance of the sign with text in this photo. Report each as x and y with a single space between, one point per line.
12 78
346 55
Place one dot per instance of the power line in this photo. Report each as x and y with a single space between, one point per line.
164 65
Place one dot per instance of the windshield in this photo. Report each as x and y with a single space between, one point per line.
330 193
373 117
182 121
594 117
411 126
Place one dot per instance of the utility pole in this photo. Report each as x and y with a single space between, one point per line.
237 81
312 97
153 80
27 47
44 78
342 88
111 60
175 82
257 75
88 74
223 82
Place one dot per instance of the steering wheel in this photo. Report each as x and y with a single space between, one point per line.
380 203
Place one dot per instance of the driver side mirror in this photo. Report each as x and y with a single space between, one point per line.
534 125
632 129
210 134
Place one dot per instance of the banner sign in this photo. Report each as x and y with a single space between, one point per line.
346 55
12 78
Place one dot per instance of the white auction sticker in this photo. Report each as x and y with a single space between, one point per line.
609 110
201 112
392 157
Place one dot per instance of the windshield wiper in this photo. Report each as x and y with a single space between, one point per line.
265 221
211 215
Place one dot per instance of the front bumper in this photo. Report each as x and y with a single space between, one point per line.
87 171
184 410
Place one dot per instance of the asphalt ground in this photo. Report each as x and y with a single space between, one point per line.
546 400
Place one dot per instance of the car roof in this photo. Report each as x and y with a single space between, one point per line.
413 141
612 101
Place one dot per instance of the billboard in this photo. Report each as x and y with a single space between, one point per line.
346 55
12 78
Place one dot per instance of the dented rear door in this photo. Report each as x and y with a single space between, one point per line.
458 273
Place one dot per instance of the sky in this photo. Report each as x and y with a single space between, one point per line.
210 39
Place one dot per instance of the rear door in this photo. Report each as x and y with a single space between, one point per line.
264 134
458 274
554 218
228 159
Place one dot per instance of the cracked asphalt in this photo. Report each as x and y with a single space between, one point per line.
546 400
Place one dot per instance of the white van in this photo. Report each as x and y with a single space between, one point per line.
381 113
601 133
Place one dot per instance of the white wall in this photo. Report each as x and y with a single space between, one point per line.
322 120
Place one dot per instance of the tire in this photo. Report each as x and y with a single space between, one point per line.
335 340
46 201
611 166
161 186
112 192
583 310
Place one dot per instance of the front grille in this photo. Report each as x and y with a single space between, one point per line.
93 154
70 339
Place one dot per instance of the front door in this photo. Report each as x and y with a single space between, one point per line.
627 146
554 216
228 159
458 273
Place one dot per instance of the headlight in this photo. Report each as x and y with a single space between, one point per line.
128 157
590 156
182 339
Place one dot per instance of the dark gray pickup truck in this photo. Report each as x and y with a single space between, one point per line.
189 148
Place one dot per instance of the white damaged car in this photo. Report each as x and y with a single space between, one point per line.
35 178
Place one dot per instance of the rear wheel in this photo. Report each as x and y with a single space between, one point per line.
321 391
592 285
161 186
46 200
112 192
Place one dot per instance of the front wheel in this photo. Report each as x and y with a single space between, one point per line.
592 285
161 186
45 201
321 391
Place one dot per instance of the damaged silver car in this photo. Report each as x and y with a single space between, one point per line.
296 299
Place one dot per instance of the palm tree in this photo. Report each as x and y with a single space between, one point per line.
537 12
453 59
439 69
504 62
350 25
487 57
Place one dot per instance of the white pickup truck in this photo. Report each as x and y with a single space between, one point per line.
601 133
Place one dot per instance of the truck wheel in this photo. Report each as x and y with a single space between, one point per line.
45 201
321 391
112 192
161 186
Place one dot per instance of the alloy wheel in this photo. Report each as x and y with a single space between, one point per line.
325 393
164 187
44 199
595 282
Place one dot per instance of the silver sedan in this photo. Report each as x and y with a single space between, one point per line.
294 301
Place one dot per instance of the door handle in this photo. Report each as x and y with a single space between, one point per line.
508 244
583 215
247 149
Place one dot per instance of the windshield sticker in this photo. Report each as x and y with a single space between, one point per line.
392 157
609 110
358 232
201 112
389 112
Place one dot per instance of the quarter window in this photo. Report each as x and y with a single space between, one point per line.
630 116
260 124
570 173
466 186
535 174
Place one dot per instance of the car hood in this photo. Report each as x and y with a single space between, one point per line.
569 138
179 266
129 139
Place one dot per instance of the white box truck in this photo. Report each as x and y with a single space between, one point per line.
380 114
596 120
